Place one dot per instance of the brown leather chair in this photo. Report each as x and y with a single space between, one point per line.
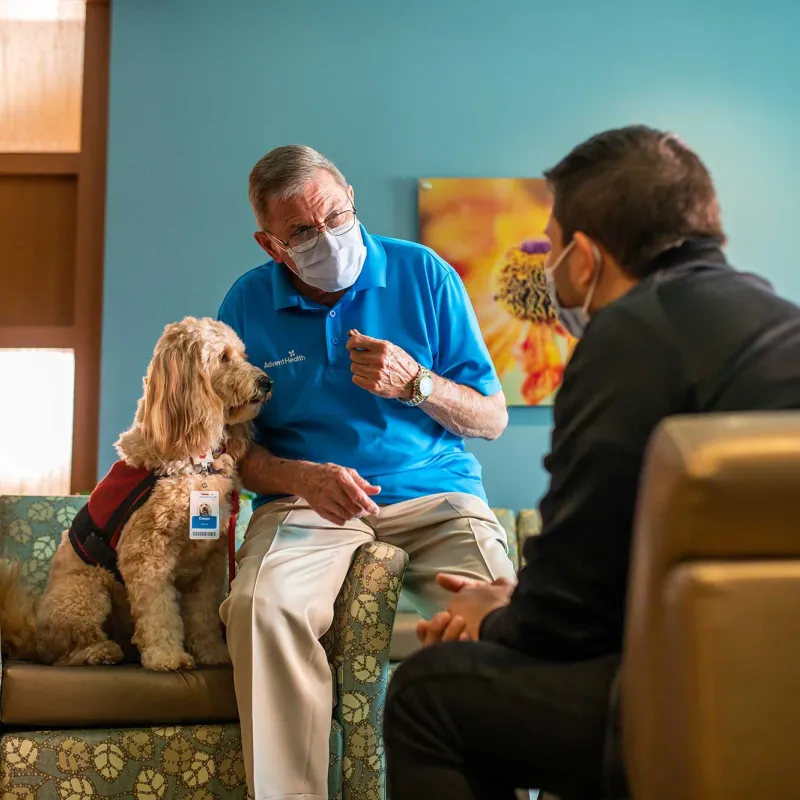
711 679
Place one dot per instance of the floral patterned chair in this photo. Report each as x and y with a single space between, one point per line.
70 733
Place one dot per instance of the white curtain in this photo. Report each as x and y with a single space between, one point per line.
37 10
37 390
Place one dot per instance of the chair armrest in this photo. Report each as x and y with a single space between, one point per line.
506 518
529 524
362 631
2 668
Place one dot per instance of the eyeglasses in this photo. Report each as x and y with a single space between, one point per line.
305 239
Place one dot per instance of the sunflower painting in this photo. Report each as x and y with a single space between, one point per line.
492 231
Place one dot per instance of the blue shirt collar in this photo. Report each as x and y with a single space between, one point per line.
373 275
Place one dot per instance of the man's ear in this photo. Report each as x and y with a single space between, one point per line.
269 246
584 261
351 194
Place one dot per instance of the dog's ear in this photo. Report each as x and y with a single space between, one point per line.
182 416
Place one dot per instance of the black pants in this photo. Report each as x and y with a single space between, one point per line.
477 720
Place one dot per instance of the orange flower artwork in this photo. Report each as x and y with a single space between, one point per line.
492 231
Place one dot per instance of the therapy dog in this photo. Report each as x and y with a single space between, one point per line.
145 561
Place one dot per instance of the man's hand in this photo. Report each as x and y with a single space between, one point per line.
381 367
337 494
472 601
442 627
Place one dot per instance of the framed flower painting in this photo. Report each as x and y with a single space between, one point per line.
492 232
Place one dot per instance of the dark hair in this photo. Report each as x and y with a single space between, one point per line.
637 191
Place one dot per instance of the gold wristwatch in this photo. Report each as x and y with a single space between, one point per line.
421 388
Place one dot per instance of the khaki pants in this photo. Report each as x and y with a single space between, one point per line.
291 567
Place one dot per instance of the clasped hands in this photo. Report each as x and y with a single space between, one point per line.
472 602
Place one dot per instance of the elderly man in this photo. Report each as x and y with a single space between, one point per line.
380 374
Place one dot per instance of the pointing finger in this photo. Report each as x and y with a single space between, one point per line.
358 341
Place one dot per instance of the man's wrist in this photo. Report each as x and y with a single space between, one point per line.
408 391
438 385
420 388
295 475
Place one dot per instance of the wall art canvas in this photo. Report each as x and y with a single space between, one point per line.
492 231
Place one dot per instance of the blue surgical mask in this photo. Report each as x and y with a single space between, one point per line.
576 319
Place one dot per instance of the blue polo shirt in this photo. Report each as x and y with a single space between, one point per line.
405 294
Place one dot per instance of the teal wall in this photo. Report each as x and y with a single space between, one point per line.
393 91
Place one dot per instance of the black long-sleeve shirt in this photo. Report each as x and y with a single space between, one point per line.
696 336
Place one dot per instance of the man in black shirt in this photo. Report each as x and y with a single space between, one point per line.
672 328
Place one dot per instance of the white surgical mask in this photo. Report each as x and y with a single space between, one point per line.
335 263
574 320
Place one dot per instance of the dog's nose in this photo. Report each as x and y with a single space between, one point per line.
265 384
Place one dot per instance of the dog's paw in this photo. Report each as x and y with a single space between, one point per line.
224 464
212 654
167 660
95 655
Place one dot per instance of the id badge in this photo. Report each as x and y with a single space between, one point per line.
204 515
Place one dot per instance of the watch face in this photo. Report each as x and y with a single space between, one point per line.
426 386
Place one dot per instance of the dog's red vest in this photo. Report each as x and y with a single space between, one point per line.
95 532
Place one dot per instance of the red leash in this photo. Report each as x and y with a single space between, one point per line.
231 548
232 539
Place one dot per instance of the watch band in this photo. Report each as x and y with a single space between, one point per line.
417 396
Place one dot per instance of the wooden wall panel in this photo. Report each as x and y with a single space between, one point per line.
90 244
40 81
38 224
52 213
40 163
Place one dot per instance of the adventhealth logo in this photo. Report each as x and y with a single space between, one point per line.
292 358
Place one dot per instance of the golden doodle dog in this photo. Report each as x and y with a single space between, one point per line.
127 571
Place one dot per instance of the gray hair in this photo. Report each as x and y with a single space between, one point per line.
283 173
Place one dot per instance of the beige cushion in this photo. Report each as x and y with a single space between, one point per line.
732 641
39 696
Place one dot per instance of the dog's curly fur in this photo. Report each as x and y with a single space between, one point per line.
200 394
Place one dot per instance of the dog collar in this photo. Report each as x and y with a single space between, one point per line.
204 460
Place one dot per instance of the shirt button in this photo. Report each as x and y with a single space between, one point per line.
334 340
332 314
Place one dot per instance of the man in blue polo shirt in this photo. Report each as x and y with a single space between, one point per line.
380 374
